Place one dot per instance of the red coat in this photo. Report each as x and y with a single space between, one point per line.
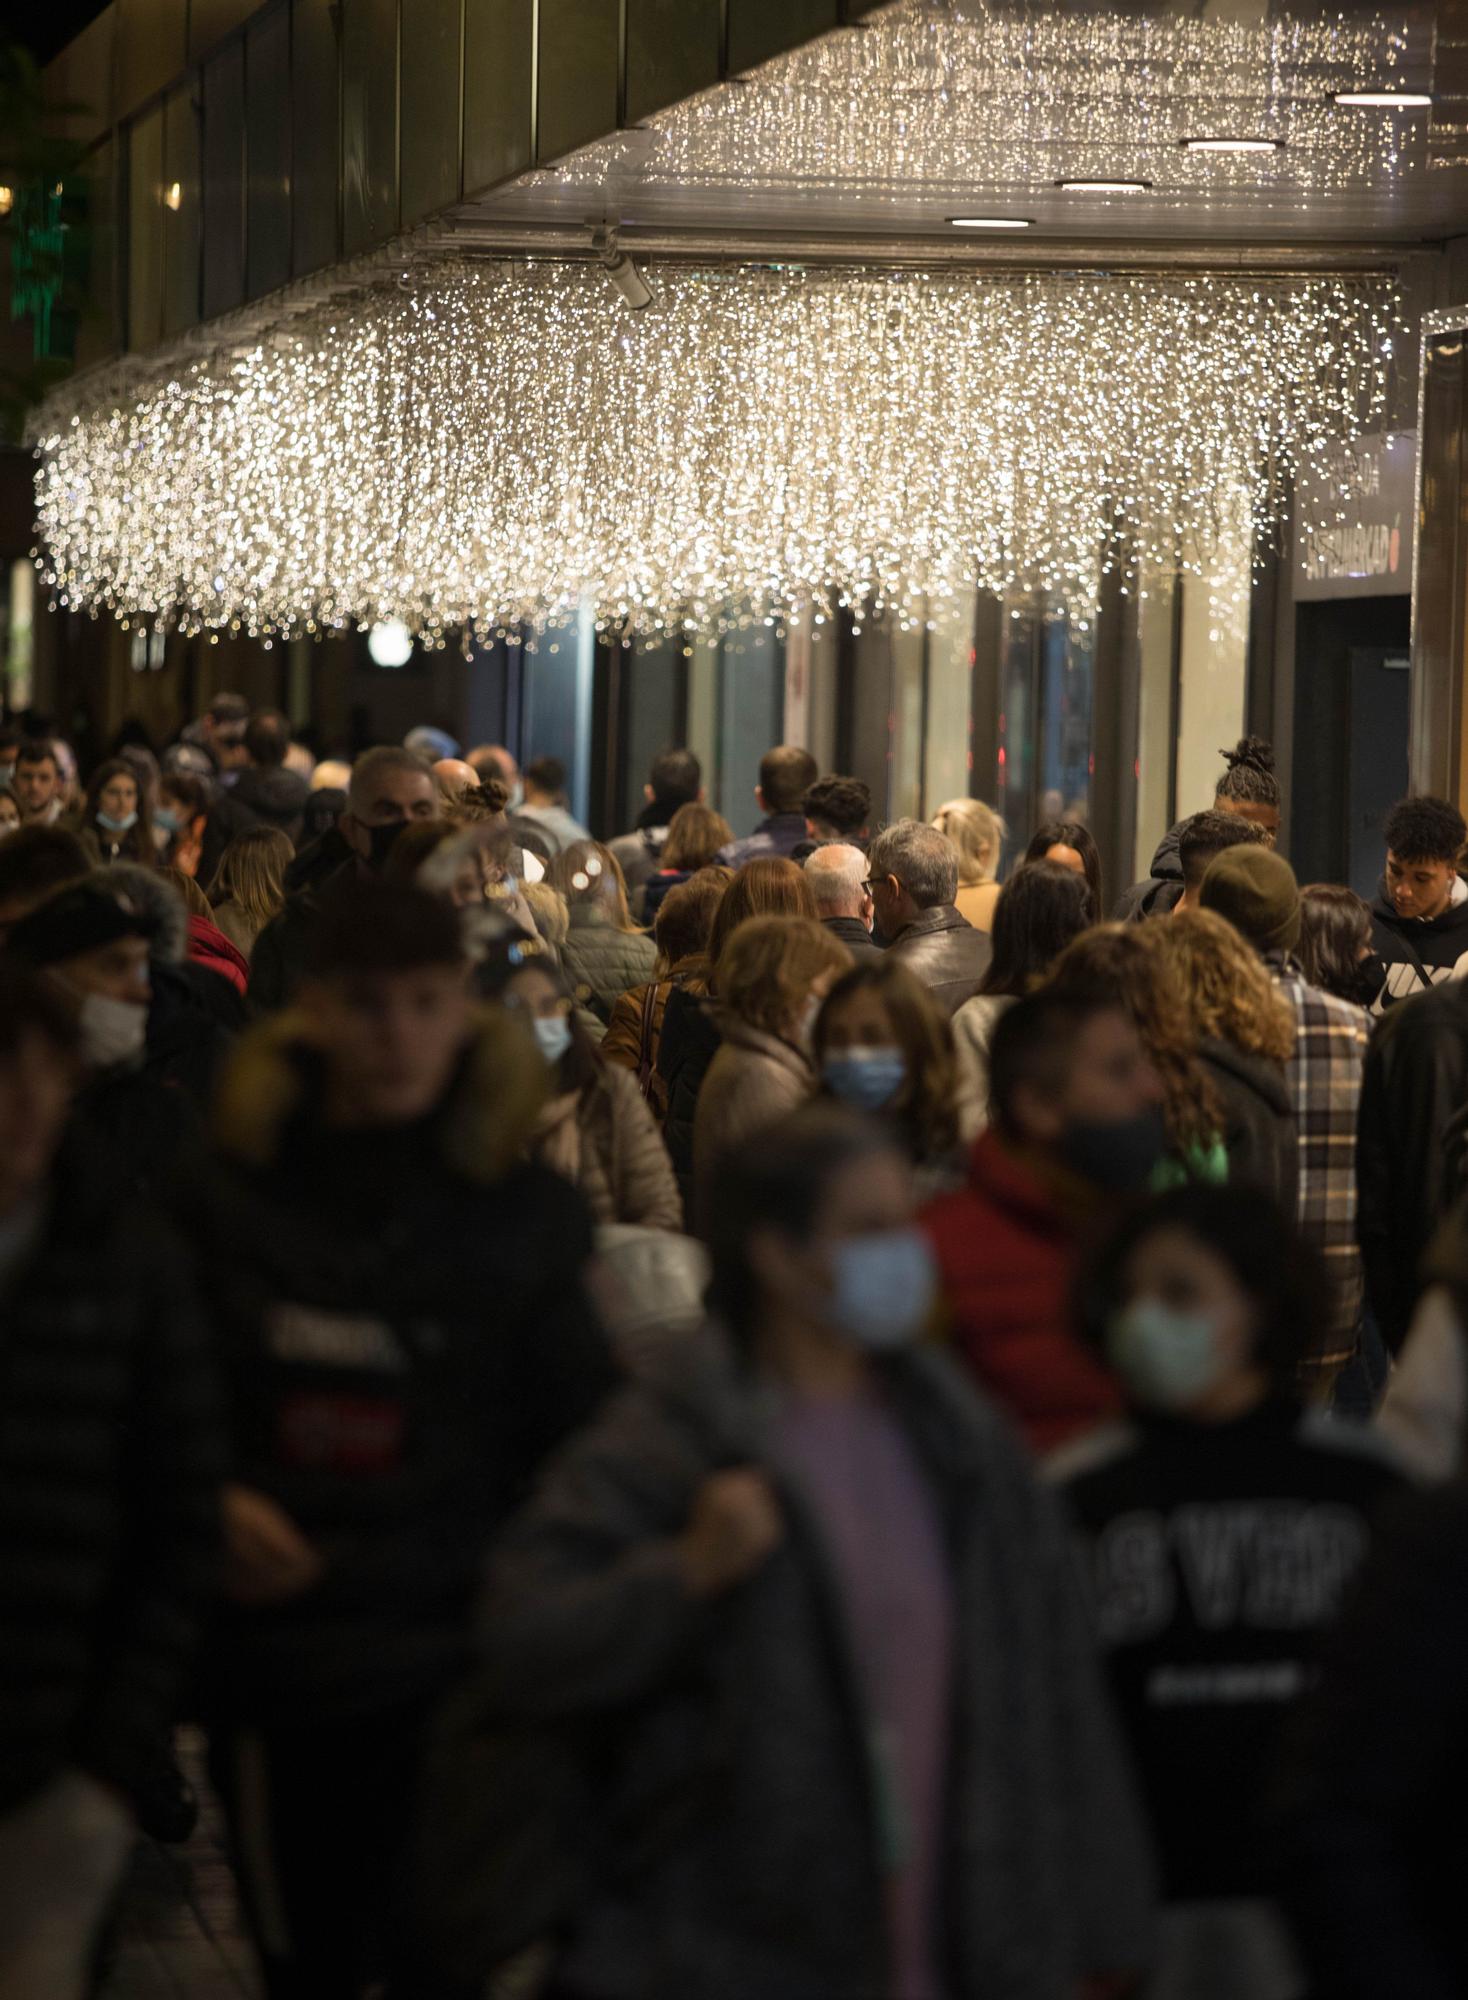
1007 1252
210 947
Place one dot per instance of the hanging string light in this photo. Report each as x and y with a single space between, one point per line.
480 444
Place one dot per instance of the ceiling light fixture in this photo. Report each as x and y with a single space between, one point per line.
1105 187
1382 100
990 222
1224 144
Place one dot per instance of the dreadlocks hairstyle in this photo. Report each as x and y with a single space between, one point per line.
1250 775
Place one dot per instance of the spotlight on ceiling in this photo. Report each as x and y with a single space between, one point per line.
1105 187
1224 144
390 644
990 222
622 274
1382 100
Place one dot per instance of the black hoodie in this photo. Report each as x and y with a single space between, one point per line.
1419 953
1163 890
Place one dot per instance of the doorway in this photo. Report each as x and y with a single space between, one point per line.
1352 732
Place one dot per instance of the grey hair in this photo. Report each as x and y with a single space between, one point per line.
924 861
835 874
372 764
148 894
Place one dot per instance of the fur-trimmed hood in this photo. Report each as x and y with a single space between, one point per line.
483 1122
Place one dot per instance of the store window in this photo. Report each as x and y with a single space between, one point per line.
1044 732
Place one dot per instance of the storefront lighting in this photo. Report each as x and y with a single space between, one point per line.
1105 187
390 644
991 222
1383 100
1224 144
7 200
173 195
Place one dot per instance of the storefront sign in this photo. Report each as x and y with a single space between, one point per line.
1355 512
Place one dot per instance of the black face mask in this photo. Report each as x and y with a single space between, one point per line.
1367 980
1119 1157
382 841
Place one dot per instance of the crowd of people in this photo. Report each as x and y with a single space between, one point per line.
804 1416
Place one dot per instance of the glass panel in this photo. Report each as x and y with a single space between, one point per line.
224 189
759 29
948 764
315 135
652 717
268 152
498 69
145 231
1064 776
1019 650
1155 721
672 51
1214 671
577 74
751 713
702 654
181 208
430 108
369 122
909 676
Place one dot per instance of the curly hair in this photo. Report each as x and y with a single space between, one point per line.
770 965
928 1106
1228 992
1125 963
1425 830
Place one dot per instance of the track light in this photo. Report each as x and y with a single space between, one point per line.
623 275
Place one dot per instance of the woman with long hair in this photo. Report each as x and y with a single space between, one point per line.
1070 844
977 831
249 887
1041 909
1126 962
605 954
1246 1035
696 837
115 823
1335 949
883 1046
681 931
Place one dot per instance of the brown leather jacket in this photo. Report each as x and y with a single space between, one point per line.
946 953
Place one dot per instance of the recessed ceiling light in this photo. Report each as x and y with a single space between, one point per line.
1105 187
990 222
1226 145
1383 100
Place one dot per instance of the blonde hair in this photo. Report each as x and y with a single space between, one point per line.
252 873
548 907
977 831
1228 991
769 966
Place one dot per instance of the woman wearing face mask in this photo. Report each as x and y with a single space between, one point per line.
1335 949
1222 1526
114 824
773 975
882 1046
181 820
810 1598
594 1129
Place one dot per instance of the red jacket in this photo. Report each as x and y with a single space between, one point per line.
209 946
1007 1252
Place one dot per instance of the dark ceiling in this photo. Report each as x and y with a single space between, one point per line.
46 30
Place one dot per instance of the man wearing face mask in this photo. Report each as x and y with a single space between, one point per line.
1076 1129
810 1597
390 789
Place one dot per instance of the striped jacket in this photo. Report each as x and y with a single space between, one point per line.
1324 1077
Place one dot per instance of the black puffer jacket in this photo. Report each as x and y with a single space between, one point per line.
602 962
1163 889
686 1049
111 1454
405 1335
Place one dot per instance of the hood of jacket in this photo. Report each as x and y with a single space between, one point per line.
1452 922
481 1124
1257 1073
740 1034
1167 862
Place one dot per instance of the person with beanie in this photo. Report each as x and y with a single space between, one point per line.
1255 889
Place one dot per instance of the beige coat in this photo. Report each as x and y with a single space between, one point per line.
753 1081
977 904
604 1141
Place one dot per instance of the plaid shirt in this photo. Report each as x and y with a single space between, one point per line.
1324 1078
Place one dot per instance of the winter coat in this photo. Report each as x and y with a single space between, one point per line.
318 861
755 1080
735 1740
403 1323
857 939
639 853
654 891
623 1041
1259 1120
973 1031
602 1139
283 948
946 953
975 904
103 847
111 1456
1163 890
601 962
777 837
240 928
686 1049
1440 943
1416 1079
209 947
1007 1248
1372 1851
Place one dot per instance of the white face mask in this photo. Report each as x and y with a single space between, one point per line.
113 1031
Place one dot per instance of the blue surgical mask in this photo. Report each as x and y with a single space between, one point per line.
885 1288
168 820
123 825
869 1079
1168 1360
553 1033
